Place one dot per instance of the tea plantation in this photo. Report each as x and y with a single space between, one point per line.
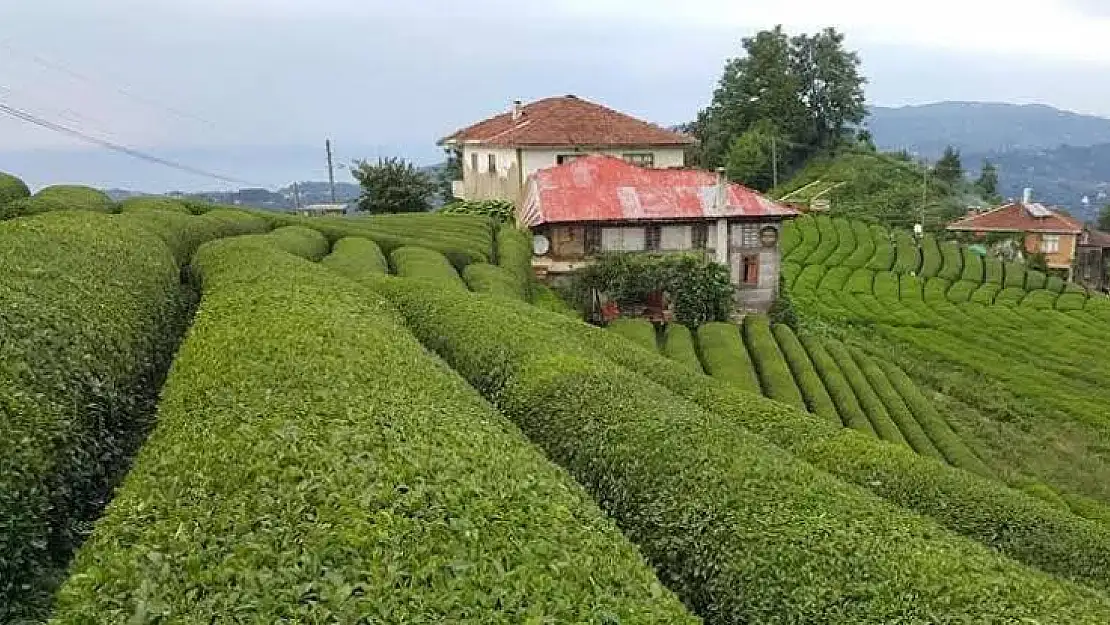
217 416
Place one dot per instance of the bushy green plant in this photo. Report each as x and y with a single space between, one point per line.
911 288
791 236
883 258
886 287
846 242
986 293
356 255
724 356
789 273
185 233
861 281
896 407
973 266
872 406
828 241
806 226
993 270
639 331
1070 301
72 197
1035 280
907 257
502 211
952 265
341 474
299 241
961 291
809 382
424 264
1055 284
774 375
486 278
1014 275
514 255
1088 508
844 398
835 279
678 345
865 245
148 203
1010 296
1040 300
936 291
546 298
11 189
931 259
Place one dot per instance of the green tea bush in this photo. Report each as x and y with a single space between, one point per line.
931 259
299 241
1071 301
725 518
806 225
11 189
514 255
907 255
1088 508
911 288
153 203
19 207
790 273
486 278
1055 284
993 271
678 345
724 356
424 264
340 475
872 406
895 406
185 233
91 310
861 281
1040 300
846 242
1072 287
774 375
961 291
1045 493
817 399
865 246
1015 275
828 241
844 398
986 293
72 197
1035 280
500 211
973 266
936 291
791 237
546 298
835 279
356 255
1010 296
883 258
639 331
886 287
952 266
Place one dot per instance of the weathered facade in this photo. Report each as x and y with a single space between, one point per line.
1092 260
602 204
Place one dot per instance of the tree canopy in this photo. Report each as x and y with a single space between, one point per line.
988 180
393 185
949 168
1104 218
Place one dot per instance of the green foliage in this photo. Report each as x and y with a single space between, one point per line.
872 406
299 241
1055 284
949 168
678 345
864 245
807 227
147 203
750 157
11 189
546 298
1010 296
986 293
639 331
907 257
952 267
789 273
184 234
425 265
724 356
486 278
1104 218
1070 301
987 183
393 185
900 414
1015 275
501 211
354 255
1044 493
341 474
886 287
91 310
835 279
962 291
846 243
72 197
911 288
699 290
861 281
931 259
936 291
774 376
847 405
993 270
1040 300
817 399
828 242
514 255
972 266
1088 508
791 236
883 259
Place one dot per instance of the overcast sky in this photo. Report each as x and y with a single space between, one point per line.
228 85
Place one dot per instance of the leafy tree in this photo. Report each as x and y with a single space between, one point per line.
831 86
450 172
988 180
393 185
1104 218
949 168
750 157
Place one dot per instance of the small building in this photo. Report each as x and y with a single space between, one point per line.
1091 260
317 210
602 204
500 153
1041 229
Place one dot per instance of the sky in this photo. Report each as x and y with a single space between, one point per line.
249 89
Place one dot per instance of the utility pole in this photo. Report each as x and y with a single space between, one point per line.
331 170
774 162
924 192
296 196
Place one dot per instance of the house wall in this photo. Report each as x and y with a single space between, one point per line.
745 241
542 158
479 184
1061 259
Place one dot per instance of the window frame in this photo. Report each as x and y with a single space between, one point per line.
653 238
492 164
640 159
474 162
749 270
1050 244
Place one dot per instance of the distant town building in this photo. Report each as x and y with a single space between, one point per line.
500 153
1092 258
316 210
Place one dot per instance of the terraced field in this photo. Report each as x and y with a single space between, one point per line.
384 420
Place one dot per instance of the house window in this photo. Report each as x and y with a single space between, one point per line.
644 159
701 236
749 270
653 237
567 158
493 163
746 235
593 240
1050 243
474 162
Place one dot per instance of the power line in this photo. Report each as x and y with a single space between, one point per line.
31 118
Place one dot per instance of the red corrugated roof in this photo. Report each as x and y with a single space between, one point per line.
568 121
1019 217
605 188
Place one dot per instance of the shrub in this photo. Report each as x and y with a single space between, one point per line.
424 264
828 241
1044 493
1015 276
973 266
911 288
639 331
299 241
930 257
91 310
11 189
1088 508
847 405
791 237
865 246
1040 300
1054 284
184 234
1010 296
835 279
153 203
501 211
886 287
895 406
547 299
817 399
1071 287
774 375
883 258
514 255
861 281
357 255
986 293
952 267
872 406
678 345
806 225
381 485
723 356
790 273
936 291
72 197
1035 280
961 291
907 256
19 207
698 493
486 278
1071 301
846 242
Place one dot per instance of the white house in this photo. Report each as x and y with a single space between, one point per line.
500 153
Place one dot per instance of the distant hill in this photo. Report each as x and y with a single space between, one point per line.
979 127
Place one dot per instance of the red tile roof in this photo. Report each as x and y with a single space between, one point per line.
567 121
605 188
1018 217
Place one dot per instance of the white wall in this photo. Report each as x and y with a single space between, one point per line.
506 158
541 158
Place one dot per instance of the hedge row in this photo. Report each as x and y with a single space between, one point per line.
514 255
1010 296
843 397
952 266
835 278
817 399
931 259
740 530
1014 272
774 375
1088 508
1040 300
380 487
72 197
678 345
1055 284
184 233
357 255
791 236
907 256
861 281
872 406
486 278
936 291
11 189
724 356
810 239
91 309
865 245
973 266
1035 280
153 203
639 331
911 288
790 272
546 298
846 242
961 291
827 243
426 265
886 288
896 407
986 293
1071 301
993 271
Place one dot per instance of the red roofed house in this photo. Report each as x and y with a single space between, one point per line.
1044 230
601 204
499 154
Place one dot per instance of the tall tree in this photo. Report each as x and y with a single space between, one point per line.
949 168
831 87
750 159
987 182
393 185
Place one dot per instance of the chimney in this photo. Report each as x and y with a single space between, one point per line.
722 190
518 110
1027 196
